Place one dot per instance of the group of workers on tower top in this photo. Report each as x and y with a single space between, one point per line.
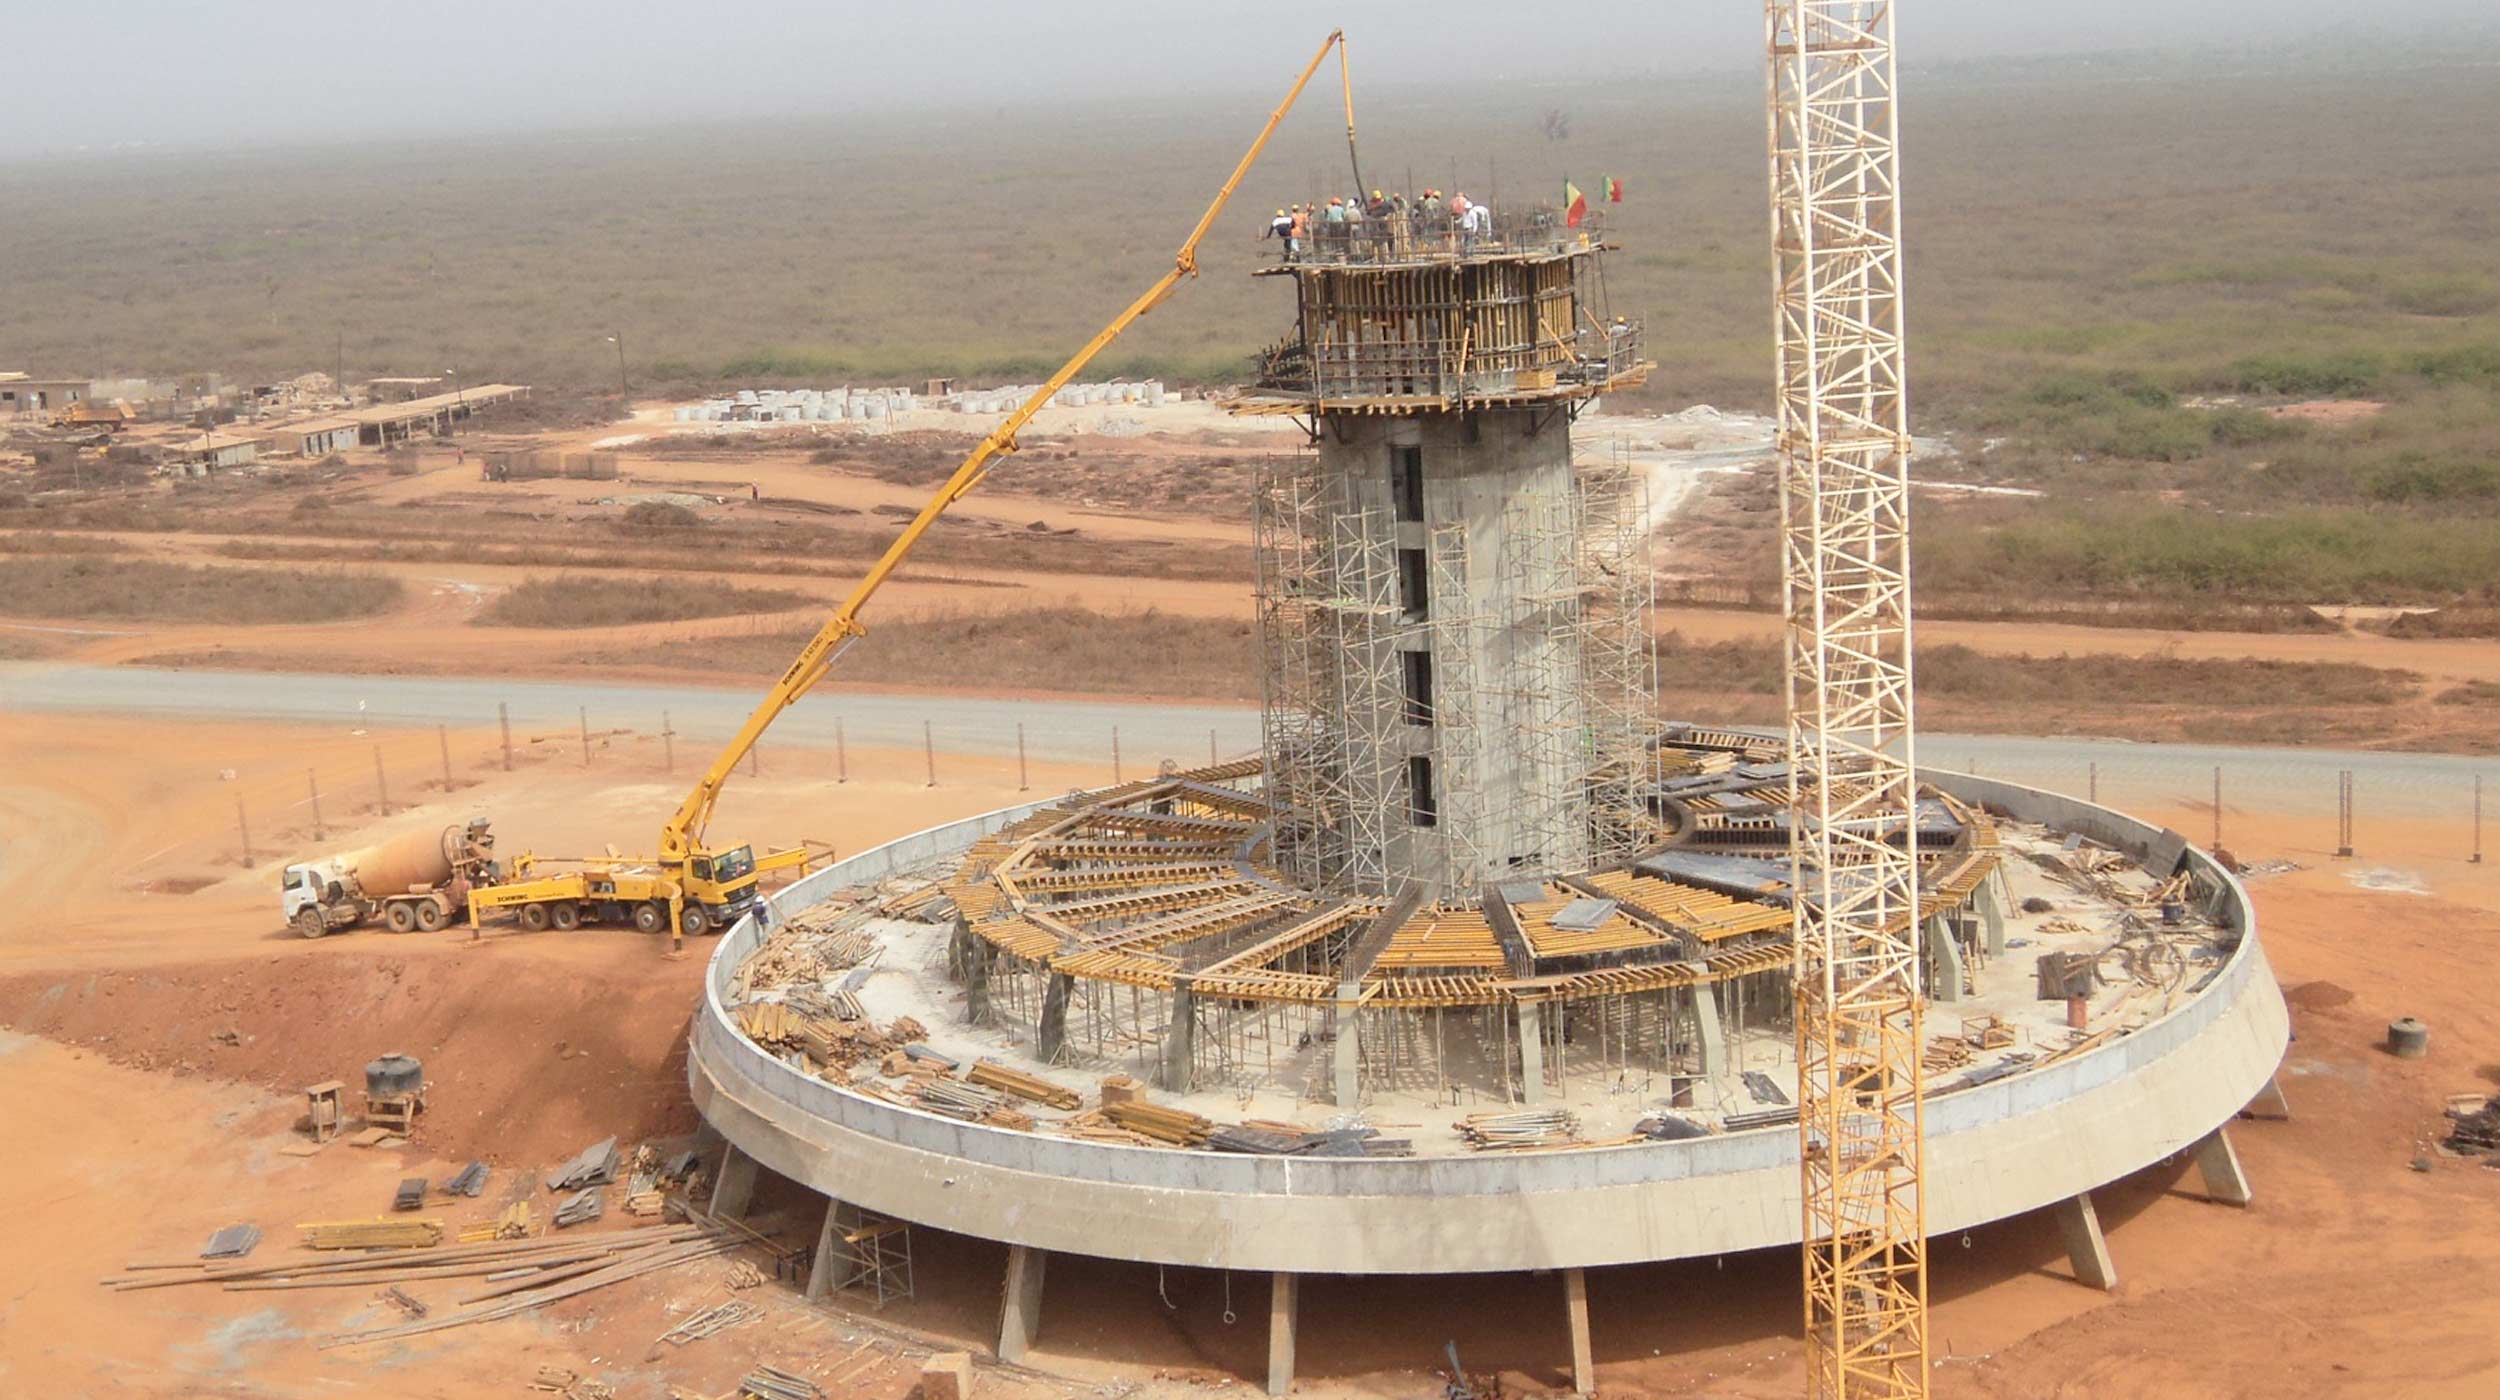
1383 226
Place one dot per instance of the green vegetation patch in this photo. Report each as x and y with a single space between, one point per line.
617 602
98 589
1065 649
2153 550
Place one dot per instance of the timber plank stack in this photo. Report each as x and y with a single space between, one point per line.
1177 1126
993 1075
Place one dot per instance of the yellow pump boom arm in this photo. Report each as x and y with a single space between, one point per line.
685 828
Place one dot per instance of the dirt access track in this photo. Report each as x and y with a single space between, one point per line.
161 1025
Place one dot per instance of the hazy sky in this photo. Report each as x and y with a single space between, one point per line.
186 73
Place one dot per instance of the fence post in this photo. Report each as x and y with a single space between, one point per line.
668 744
2217 844
442 736
928 749
243 824
312 780
503 715
2343 813
1024 780
1115 753
585 714
381 781
841 753
755 759
2477 857
2093 794
1212 760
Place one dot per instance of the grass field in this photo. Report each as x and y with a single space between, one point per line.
2115 267
141 590
577 601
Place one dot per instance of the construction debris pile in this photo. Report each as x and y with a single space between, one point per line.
2476 1132
519 1275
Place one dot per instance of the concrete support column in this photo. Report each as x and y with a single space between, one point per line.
1180 1040
1991 906
2224 1181
2269 1103
1284 1303
1052 1033
973 952
1349 1054
820 1273
1576 1315
1944 958
2086 1247
1531 1052
734 1191
1713 1036
1020 1315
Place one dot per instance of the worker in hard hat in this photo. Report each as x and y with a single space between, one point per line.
1332 226
1280 228
1301 231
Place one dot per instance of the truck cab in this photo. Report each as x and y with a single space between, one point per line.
315 898
720 888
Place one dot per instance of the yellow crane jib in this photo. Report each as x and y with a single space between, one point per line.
714 888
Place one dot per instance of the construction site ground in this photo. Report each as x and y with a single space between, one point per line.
160 1024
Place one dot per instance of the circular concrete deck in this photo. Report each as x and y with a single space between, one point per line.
2018 1143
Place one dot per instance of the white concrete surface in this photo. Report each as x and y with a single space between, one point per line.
2029 1140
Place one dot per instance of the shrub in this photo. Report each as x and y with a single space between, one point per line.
2414 477
655 517
2336 374
2246 427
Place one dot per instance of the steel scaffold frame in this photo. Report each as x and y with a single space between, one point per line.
1843 445
1543 716
1620 667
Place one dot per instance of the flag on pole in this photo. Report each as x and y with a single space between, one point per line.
1575 205
1614 190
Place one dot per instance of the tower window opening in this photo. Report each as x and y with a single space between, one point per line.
1414 587
1406 479
1418 674
1423 803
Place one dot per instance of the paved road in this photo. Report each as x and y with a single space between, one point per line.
2437 786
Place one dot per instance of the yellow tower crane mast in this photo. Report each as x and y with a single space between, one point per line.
1843 444
713 884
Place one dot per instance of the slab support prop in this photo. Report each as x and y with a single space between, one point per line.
1284 1304
2086 1246
1576 1315
1020 1312
2220 1164
735 1190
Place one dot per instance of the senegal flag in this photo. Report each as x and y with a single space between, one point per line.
1575 205
1614 190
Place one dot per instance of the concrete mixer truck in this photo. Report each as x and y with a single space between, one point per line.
416 880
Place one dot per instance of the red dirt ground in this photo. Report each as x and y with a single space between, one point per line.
141 1130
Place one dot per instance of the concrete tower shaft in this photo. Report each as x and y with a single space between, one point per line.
1451 605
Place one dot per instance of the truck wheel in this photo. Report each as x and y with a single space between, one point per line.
402 918
650 918
694 921
533 917
567 917
308 923
430 916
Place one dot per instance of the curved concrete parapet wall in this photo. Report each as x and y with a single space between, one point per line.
2016 1144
